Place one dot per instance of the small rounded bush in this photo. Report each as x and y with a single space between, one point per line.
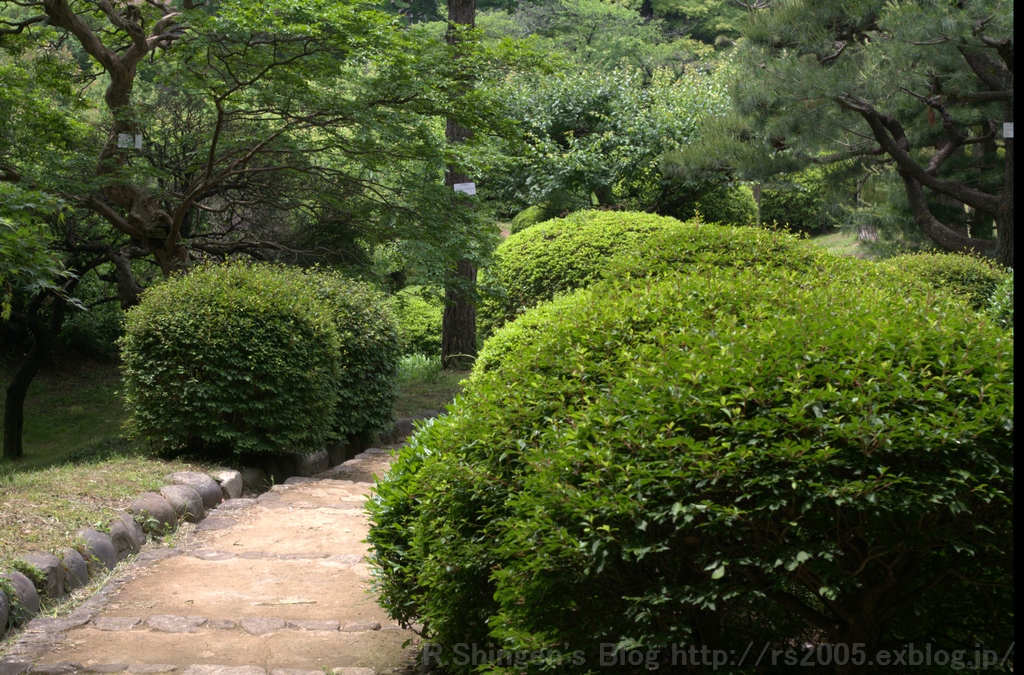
713 460
369 350
557 256
530 216
418 313
716 203
971 278
232 358
797 202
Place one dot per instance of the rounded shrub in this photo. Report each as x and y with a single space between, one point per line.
715 202
797 201
709 460
971 278
532 215
697 248
418 313
232 358
557 256
369 349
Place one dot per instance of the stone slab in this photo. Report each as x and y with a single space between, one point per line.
292 590
312 650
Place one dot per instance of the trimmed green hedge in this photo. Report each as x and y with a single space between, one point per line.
971 278
240 358
531 216
369 349
715 202
1001 302
557 256
232 358
688 459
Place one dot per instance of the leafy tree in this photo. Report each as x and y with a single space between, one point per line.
216 121
591 135
921 88
598 35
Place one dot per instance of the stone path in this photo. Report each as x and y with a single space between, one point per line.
275 585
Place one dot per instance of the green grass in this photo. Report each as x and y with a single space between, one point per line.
422 385
71 406
842 243
77 471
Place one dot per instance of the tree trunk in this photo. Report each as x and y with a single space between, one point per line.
458 326
1004 218
43 334
458 335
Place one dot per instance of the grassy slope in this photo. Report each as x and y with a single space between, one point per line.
77 470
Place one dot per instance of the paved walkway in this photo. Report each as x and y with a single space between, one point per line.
270 586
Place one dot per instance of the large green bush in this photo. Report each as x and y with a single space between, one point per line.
696 248
711 460
232 358
369 349
557 256
971 278
419 313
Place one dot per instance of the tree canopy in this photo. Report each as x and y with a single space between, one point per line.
918 88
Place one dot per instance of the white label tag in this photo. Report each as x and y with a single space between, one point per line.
468 188
1007 129
129 141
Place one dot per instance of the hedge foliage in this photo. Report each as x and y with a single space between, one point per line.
369 347
557 256
799 206
532 215
969 277
1001 303
232 358
715 202
712 459
418 313
239 358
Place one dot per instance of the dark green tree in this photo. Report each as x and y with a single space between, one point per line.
922 88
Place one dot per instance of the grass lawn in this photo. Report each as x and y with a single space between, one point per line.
841 243
77 470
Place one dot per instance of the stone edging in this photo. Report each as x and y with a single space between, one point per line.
188 497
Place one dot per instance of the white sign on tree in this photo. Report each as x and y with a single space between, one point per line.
129 141
468 188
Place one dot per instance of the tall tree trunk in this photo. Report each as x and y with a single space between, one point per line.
1004 217
458 326
43 334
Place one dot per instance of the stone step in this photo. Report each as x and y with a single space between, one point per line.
285 648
